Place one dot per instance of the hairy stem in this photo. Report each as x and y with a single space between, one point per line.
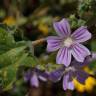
38 41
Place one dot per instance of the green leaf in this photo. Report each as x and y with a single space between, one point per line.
29 61
93 45
8 76
11 56
9 73
92 65
6 38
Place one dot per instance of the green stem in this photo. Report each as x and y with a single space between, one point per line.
31 50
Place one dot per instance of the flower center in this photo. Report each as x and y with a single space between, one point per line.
68 42
70 69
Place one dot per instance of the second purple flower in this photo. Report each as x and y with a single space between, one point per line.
67 43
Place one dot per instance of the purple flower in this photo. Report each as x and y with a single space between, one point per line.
33 76
72 71
68 43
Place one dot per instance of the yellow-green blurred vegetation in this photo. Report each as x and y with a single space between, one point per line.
23 21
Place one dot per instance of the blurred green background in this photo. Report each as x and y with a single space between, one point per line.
23 21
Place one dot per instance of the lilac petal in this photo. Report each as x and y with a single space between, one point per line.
26 78
80 52
65 82
64 56
53 43
62 28
81 76
34 81
81 34
77 64
56 75
27 75
71 85
43 76
38 71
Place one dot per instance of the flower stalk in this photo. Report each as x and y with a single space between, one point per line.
38 41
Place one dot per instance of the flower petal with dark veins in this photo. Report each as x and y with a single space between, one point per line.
53 43
81 34
80 52
62 28
63 56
